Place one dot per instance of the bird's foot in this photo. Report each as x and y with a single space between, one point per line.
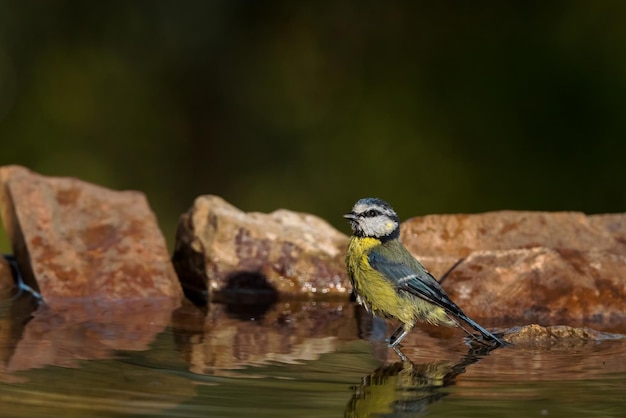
400 353
19 280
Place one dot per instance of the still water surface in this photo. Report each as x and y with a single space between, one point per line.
293 359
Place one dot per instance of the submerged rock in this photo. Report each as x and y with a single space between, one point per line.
76 240
220 249
556 335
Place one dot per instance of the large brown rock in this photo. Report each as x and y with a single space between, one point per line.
531 266
441 240
542 285
459 235
219 248
76 240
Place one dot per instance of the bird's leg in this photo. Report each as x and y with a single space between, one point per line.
398 335
391 340
400 354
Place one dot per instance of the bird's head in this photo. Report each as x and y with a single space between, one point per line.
375 218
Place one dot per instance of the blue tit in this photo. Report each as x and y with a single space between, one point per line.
390 282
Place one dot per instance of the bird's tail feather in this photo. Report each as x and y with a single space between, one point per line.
486 334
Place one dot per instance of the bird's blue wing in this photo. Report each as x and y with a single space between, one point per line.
415 280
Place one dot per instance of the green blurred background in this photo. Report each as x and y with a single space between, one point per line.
435 106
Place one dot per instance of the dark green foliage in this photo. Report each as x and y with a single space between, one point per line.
436 106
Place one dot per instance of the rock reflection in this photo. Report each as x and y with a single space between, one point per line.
83 330
220 339
405 388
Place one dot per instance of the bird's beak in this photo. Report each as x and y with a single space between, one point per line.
351 216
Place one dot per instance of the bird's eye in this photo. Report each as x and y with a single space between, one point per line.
371 213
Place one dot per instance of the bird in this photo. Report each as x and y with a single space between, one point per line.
390 283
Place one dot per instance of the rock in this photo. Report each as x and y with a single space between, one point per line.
531 266
556 336
511 266
220 249
76 240
441 240
7 284
459 235
541 285
614 225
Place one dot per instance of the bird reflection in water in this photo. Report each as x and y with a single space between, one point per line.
407 389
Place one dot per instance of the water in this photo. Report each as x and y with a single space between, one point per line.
292 359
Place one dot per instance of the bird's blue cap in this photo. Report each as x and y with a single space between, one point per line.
373 201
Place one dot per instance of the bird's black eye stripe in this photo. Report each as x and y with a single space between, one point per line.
371 213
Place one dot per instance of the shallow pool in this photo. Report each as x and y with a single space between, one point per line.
291 359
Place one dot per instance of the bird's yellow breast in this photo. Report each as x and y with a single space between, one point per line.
372 290
380 295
